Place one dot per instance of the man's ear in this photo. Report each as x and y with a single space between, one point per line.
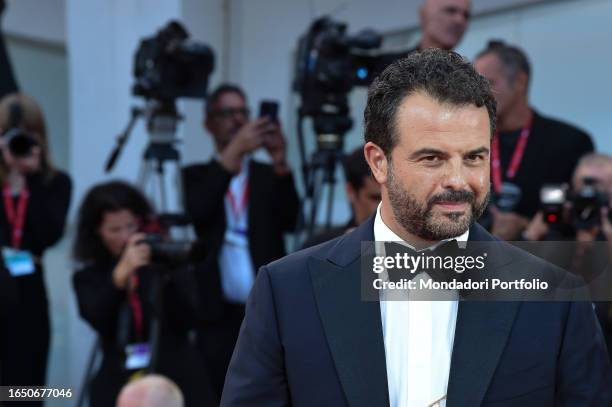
377 161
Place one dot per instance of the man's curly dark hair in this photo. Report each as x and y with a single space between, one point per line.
445 76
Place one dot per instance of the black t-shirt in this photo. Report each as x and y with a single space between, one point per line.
507 145
552 152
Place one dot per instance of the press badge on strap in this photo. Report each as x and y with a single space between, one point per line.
137 356
18 262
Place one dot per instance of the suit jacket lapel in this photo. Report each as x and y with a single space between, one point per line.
480 337
353 327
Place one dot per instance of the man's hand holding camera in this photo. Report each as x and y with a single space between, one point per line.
537 228
135 255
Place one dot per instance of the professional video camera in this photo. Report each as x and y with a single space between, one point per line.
329 64
169 65
584 204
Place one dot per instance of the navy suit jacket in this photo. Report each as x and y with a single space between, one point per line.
309 340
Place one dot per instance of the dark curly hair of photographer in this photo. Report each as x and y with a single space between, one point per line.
120 293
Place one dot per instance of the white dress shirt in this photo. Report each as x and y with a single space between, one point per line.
237 271
418 337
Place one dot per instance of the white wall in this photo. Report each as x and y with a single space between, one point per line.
49 87
204 19
38 20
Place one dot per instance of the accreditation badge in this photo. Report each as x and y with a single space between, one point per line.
137 356
18 262
237 237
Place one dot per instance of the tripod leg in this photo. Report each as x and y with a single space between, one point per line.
143 175
314 203
330 205
162 189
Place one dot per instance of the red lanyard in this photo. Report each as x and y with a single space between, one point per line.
16 218
136 307
237 210
517 156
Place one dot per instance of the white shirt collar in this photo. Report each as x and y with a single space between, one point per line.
382 232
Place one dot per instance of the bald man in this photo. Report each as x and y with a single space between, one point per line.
151 391
443 23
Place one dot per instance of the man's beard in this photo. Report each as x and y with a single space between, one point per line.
420 220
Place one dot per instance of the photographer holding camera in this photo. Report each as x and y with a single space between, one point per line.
33 208
240 210
583 224
120 292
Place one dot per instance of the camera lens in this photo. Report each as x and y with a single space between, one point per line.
20 143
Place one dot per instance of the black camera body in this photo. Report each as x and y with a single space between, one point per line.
587 203
584 204
330 63
169 65
168 252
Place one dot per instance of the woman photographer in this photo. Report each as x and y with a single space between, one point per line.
120 292
35 200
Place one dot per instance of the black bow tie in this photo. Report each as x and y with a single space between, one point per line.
448 248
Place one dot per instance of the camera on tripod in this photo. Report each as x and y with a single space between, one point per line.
329 64
584 204
169 65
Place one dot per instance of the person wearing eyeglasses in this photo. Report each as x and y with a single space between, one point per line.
240 210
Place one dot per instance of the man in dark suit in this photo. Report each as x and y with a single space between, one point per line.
240 209
309 338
